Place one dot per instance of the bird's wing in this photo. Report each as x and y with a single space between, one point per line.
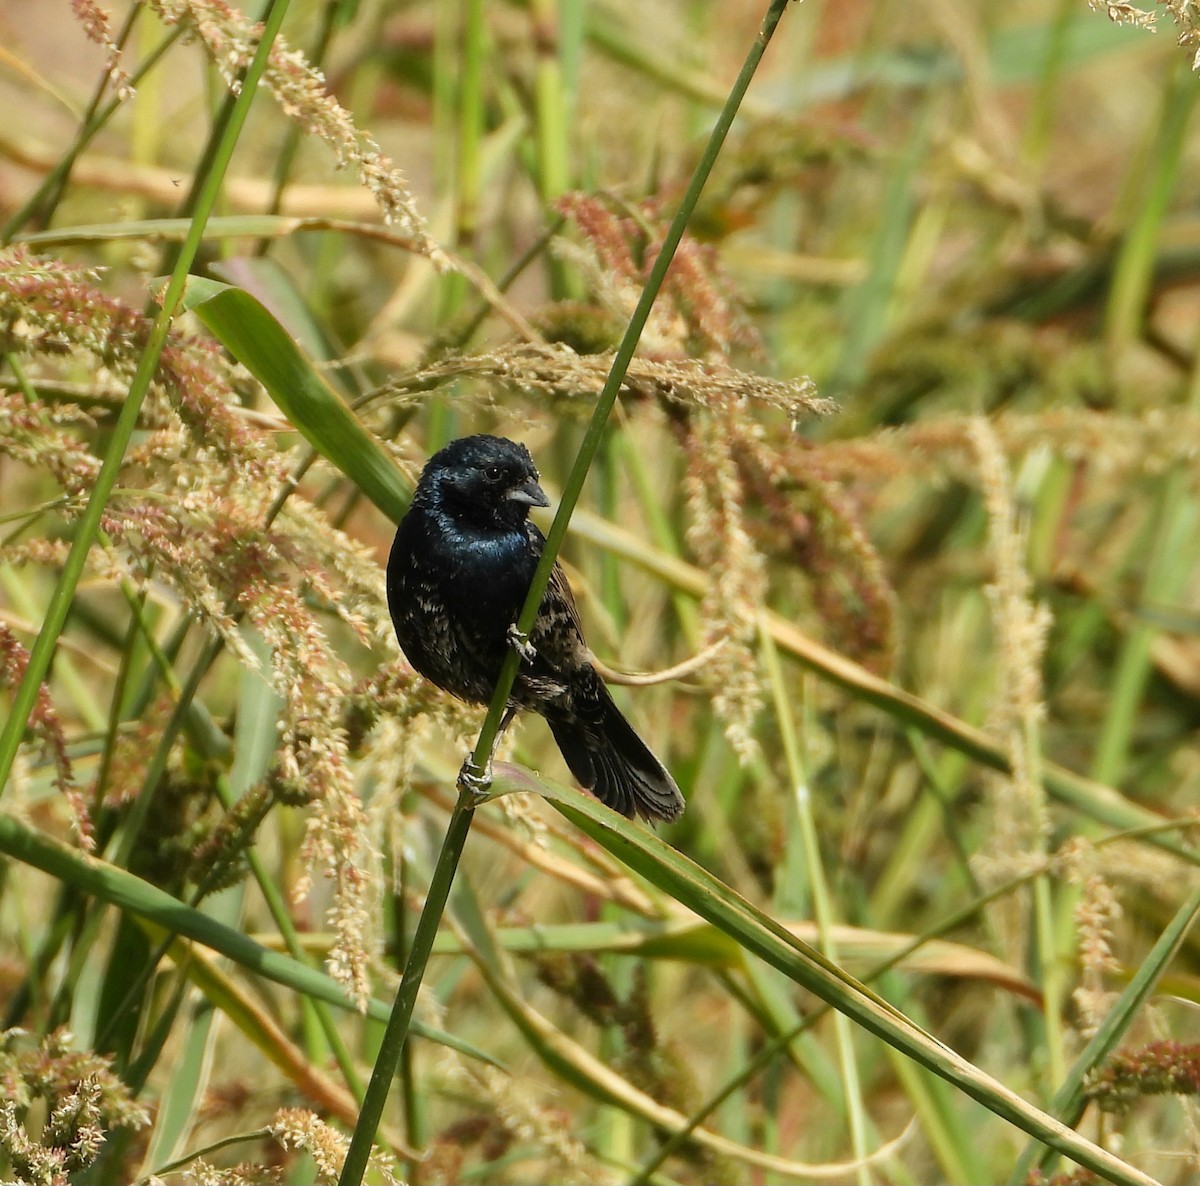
557 626
558 648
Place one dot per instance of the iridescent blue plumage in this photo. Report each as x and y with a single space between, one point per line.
459 570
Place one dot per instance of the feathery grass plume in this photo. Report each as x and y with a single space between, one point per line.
210 547
56 314
340 573
729 609
1097 912
1159 1068
42 438
296 1128
46 726
97 24
203 536
818 525
231 39
201 1173
698 311
1124 14
1021 625
558 369
57 1106
511 1115
312 757
1187 22
1183 13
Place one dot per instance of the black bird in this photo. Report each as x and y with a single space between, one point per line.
458 574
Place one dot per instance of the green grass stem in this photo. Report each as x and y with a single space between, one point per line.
822 902
1137 254
471 119
460 820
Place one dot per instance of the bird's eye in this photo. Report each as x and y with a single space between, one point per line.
493 473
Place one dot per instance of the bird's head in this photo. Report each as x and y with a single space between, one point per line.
482 480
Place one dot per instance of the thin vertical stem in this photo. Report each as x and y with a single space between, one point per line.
616 376
470 120
396 1033
89 522
819 888
460 820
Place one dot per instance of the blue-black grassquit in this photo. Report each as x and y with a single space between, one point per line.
458 574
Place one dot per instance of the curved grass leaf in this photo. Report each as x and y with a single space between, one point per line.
256 339
228 226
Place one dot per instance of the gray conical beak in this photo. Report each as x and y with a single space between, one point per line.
529 493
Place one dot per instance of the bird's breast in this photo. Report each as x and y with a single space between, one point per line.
454 593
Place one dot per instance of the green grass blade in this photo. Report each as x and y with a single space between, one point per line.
256 339
189 1075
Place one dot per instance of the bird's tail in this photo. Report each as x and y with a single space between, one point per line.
614 763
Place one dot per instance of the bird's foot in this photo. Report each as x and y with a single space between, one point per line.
521 644
475 781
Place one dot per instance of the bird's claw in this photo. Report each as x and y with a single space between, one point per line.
475 781
521 644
